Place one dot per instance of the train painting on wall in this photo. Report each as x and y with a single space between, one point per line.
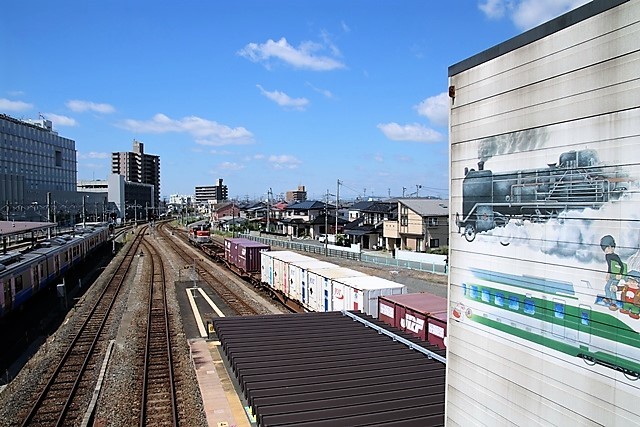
552 253
544 248
577 181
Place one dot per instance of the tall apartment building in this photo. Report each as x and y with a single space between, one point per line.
138 167
299 195
34 160
211 193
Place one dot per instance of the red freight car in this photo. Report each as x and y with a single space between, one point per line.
244 254
423 315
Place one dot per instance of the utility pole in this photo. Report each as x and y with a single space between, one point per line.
337 207
403 190
84 220
48 214
269 195
326 225
418 187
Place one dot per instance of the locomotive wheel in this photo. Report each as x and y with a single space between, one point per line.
469 232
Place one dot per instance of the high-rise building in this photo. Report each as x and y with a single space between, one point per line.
299 195
211 193
138 167
34 160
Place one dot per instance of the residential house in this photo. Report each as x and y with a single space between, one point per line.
421 225
225 212
301 219
366 223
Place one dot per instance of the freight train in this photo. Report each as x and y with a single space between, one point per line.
300 282
550 313
577 181
199 235
24 273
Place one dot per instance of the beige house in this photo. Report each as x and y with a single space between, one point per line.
422 225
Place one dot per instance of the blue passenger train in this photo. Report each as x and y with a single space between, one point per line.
24 273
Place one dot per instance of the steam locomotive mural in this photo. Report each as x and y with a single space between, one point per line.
577 181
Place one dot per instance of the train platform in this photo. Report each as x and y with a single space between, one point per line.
222 406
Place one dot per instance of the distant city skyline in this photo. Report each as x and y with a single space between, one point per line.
262 94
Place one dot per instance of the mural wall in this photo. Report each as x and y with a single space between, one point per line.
544 297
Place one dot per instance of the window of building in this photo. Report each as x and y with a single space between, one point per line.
432 221
58 158
404 220
434 243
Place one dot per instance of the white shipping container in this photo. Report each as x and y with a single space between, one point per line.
361 293
321 288
298 281
277 268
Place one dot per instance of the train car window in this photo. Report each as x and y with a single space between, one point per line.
486 295
498 299
558 310
514 302
464 289
474 292
584 317
18 283
529 306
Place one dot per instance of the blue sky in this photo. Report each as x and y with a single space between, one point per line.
263 94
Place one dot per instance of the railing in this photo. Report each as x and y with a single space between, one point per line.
367 257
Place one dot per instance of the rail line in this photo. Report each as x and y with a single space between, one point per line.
158 400
234 301
57 404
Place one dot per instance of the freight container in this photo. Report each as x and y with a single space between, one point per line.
249 255
361 293
232 250
423 315
298 280
274 268
321 288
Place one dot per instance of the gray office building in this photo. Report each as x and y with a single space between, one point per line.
38 171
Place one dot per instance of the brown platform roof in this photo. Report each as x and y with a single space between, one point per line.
325 369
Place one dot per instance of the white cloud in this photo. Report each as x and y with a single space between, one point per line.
494 9
303 57
59 120
529 13
93 155
436 109
526 14
412 132
324 92
231 166
82 106
284 161
205 132
8 105
284 100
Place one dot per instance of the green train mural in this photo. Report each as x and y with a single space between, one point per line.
552 314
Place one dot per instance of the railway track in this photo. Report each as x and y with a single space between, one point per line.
231 298
158 401
60 403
